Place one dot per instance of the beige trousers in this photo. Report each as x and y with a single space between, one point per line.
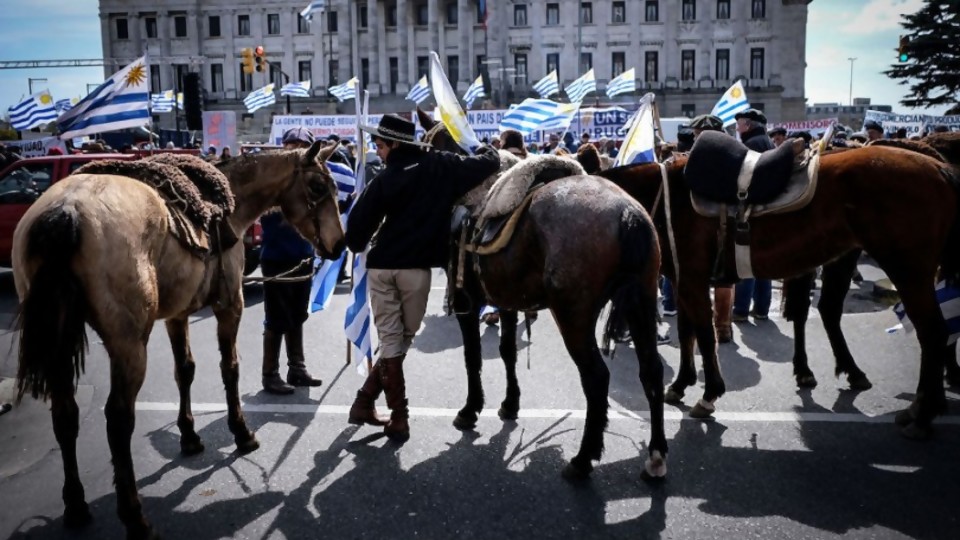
398 299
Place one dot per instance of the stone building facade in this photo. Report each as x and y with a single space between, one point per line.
686 51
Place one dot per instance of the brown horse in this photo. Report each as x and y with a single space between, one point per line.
97 249
580 243
910 228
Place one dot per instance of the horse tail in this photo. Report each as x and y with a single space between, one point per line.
632 306
950 261
51 318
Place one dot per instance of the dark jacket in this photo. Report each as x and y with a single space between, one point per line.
757 140
281 242
412 198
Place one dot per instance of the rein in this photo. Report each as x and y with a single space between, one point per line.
665 188
285 276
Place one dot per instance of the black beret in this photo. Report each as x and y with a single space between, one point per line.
805 135
872 124
777 131
707 122
752 114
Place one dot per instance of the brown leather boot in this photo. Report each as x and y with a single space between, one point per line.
363 410
297 373
394 386
722 312
272 382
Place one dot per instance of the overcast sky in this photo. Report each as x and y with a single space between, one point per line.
837 30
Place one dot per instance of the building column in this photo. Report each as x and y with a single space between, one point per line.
405 37
377 48
231 65
465 33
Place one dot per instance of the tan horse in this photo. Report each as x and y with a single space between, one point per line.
97 249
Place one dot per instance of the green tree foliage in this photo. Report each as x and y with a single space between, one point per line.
932 70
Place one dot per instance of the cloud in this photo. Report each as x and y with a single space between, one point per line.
881 15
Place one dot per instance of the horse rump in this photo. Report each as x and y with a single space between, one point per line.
52 314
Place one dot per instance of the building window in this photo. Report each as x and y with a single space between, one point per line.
689 10
423 14
553 64
276 74
394 74
553 14
481 14
179 71
243 25
619 14
520 15
303 25
651 66
652 11
155 86
758 9
688 109
150 25
453 68
392 15
122 30
723 9
723 64
180 26
213 22
332 22
756 63
586 12
361 15
618 63
273 24
520 64
453 16
216 77
423 66
246 80
333 72
687 71
586 61
364 72
305 70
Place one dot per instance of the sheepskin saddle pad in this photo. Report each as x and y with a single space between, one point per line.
474 198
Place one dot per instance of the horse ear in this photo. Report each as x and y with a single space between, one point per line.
425 119
319 149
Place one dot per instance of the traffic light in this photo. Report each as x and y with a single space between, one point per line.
261 58
247 54
904 45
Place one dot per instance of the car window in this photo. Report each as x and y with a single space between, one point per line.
24 184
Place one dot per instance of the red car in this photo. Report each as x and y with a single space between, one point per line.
23 181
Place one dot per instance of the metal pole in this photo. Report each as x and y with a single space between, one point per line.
852 60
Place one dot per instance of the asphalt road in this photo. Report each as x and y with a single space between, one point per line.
777 462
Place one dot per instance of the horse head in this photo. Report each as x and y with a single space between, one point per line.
310 204
436 134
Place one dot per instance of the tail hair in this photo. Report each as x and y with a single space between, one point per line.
53 313
637 241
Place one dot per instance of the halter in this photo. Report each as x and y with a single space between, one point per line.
432 132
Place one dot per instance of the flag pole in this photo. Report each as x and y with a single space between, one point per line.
656 122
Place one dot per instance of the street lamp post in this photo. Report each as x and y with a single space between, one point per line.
852 60
30 83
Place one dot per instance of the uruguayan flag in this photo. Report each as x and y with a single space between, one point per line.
734 100
579 88
64 105
313 7
356 323
259 99
548 85
34 111
638 145
452 116
162 103
623 83
420 91
475 91
533 114
949 300
122 102
345 91
325 280
296 89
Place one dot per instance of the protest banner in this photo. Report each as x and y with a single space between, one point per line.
37 147
814 127
220 130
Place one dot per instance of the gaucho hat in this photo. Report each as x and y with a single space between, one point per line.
874 125
707 122
393 127
752 114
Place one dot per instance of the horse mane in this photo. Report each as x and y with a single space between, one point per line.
948 144
589 157
919 147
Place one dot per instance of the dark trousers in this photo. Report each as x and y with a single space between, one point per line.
285 304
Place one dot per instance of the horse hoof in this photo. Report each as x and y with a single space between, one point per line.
191 448
807 381
76 516
507 414
573 473
859 383
463 422
655 467
672 397
249 445
904 418
916 432
701 412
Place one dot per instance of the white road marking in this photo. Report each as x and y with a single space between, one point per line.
548 414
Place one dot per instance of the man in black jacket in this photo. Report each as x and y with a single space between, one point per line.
408 206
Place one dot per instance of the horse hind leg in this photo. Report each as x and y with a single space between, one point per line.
184 368
228 323
836 283
796 293
510 407
66 426
643 328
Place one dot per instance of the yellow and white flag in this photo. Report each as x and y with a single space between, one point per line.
451 114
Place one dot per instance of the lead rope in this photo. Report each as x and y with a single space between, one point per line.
670 235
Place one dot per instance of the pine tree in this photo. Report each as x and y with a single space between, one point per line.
932 69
